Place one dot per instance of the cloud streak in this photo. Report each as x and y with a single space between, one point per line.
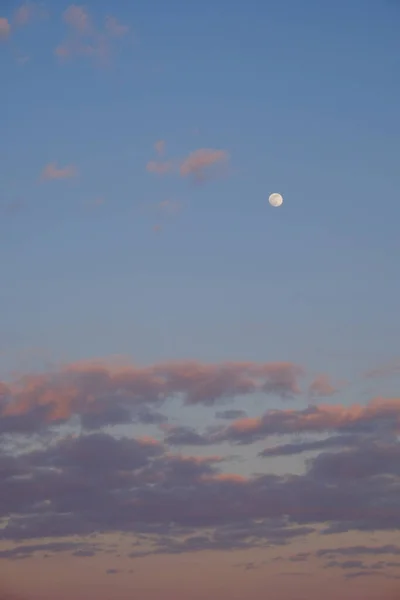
52 172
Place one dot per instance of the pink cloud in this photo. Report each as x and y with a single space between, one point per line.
159 147
387 370
27 12
159 168
51 171
199 161
169 206
110 392
316 419
115 28
321 386
85 39
78 18
5 28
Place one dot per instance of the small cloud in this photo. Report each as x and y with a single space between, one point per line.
77 18
387 370
115 28
199 161
321 386
112 571
169 206
98 202
51 171
22 60
157 228
5 28
159 168
25 13
85 39
159 147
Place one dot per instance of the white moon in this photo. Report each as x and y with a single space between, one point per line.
275 200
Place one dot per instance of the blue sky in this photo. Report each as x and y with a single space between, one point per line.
303 97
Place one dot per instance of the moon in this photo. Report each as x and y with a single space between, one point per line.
275 200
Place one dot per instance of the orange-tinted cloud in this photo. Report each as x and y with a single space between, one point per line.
321 386
51 171
317 419
107 394
5 28
198 163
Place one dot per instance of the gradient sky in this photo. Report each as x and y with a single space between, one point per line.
199 394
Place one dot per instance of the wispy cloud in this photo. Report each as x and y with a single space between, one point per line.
78 18
159 147
5 28
389 369
160 167
198 164
322 386
51 171
85 39
115 28
169 206
27 12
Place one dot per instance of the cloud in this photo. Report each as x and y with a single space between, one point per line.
27 12
367 460
115 28
321 386
160 167
5 28
159 147
343 441
51 171
98 483
169 206
28 550
378 414
110 394
387 370
86 40
197 165
359 550
77 18
231 414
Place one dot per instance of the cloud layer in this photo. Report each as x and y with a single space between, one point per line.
97 482
102 394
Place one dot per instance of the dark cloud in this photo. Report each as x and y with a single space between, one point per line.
185 436
100 484
231 414
359 550
369 459
341 441
26 551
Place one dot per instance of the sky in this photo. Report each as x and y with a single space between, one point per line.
199 393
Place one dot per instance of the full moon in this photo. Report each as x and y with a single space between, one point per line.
275 200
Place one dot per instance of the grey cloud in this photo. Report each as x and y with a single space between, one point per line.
231 414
